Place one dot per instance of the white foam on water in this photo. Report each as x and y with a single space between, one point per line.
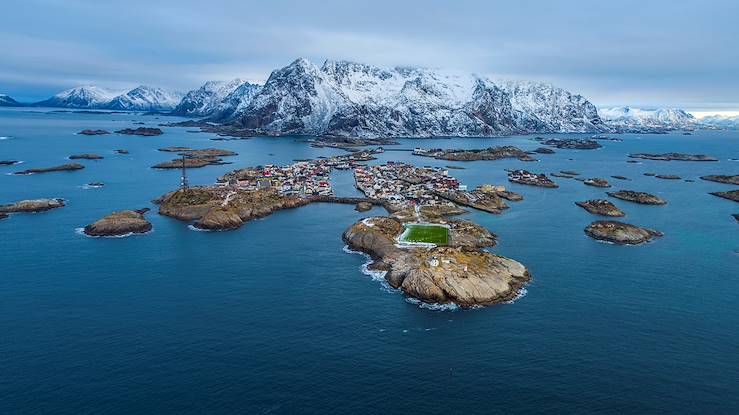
88 187
520 294
6 137
81 231
193 228
433 306
376 275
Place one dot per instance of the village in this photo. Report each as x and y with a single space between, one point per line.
405 184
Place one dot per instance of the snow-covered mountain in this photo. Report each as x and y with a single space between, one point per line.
637 119
234 104
352 99
86 96
720 121
8 101
145 98
206 100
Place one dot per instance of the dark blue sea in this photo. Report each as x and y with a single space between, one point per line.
277 318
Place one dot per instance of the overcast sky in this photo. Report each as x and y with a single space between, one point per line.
648 53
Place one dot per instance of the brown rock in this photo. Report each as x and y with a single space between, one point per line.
638 197
620 233
601 207
63 167
120 223
32 206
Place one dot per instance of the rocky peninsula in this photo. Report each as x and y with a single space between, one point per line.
143 131
620 233
460 273
218 208
638 197
491 153
121 223
721 178
673 156
732 195
601 207
63 167
32 206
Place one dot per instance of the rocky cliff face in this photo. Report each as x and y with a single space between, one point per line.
351 99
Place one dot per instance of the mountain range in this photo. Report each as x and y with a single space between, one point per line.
141 98
352 99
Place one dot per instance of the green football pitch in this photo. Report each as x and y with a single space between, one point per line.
433 234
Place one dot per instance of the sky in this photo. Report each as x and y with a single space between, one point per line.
640 53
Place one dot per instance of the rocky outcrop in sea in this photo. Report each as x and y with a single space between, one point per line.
620 233
121 223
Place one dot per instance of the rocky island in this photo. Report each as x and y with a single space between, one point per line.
530 179
620 233
8 162
597 182
638 197
673 156
544 150
143 131
570 143
94 132
63 167
601 207
492 153
721 178
85 156
121 223
192 158
459 272
667 176
732 195
32 206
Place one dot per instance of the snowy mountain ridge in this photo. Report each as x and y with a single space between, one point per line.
141 98
352 99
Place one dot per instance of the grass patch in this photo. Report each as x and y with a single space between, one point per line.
433 234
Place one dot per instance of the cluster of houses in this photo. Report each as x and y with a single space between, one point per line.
405 184
302 179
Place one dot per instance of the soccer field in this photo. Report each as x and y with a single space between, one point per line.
433 234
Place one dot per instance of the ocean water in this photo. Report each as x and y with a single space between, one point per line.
277 318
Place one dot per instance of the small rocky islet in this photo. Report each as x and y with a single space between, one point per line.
491 153
9 162
94 132
142 131
722 178
570 143
620 233
597 182
673 156
731 195
192 158
601 207
643 198
63 167
531 179
121 223
86 156
31 206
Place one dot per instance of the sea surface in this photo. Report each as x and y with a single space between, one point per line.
277 317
